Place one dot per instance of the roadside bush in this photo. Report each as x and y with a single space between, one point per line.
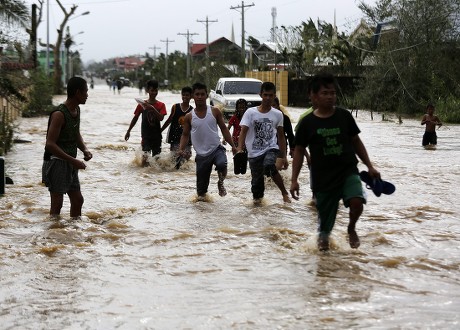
40 96
448 110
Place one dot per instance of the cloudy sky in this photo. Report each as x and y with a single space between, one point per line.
125 27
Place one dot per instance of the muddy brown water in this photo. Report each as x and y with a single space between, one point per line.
146 255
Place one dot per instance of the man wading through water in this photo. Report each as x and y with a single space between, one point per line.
201 125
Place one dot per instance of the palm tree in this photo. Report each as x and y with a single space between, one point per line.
11 12
14 12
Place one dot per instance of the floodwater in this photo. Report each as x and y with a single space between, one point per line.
146 255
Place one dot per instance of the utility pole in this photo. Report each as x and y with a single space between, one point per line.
154 54
188 34
207 21
243 51
167 41
47 38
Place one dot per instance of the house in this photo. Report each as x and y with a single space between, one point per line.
128 64
269 55
221 50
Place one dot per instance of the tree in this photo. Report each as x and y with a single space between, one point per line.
14 12
56 48
416 57
57 75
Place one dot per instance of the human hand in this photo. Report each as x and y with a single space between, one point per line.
127 136
294 190
285 163
78 164
87 155
373 172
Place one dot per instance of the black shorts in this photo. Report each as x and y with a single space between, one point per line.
429 138
60 176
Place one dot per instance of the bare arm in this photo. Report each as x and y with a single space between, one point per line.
437 121
281 140
228 127
297 162
361 151
424 120
242 138
87 155
185 137
282 145
57 122
225 132
168 121
131 125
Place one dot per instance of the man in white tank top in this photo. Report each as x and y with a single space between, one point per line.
201 124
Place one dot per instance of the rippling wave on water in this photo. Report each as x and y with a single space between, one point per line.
147 255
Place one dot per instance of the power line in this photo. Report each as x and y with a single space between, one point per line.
188 34
155 48
167 41
242 7
207 21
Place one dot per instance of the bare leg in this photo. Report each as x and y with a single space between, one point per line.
56 203
76 203
280 184
356 209
220 183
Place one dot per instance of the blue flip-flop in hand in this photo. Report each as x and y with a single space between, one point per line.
378 186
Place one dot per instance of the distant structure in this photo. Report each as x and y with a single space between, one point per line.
273 24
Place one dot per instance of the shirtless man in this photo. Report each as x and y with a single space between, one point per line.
430 120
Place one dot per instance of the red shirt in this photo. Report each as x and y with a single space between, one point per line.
235 123
159 106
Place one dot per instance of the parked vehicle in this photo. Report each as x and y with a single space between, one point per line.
230 89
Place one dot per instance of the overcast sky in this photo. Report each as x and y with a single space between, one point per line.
126 27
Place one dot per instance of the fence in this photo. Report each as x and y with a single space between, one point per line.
8 115
279 78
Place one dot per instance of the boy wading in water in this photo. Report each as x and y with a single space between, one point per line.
263 135
331 134
152 112
176 117
430 120
201 124
63 138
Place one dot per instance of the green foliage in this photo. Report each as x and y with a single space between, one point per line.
40 95
14 11
448 110
6 136
416 58
8 87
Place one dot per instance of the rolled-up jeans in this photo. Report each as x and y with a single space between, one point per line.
260 165
204 168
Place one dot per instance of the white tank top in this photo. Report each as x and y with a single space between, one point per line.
205 136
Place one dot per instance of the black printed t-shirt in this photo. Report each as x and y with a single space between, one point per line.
329 141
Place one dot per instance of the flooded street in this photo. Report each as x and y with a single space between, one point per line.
146 255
